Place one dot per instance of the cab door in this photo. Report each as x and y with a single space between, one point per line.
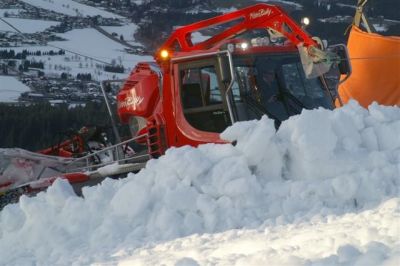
201 110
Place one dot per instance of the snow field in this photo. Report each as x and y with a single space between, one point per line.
11 88
323 190
88 43
92 43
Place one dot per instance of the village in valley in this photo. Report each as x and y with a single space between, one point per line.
37 63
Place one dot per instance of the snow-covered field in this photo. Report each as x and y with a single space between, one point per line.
11 89
90 42
87 44
26 25
126 31
70 7
323 190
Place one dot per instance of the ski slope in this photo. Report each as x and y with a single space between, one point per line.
323 190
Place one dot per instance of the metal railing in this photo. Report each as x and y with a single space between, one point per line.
109 155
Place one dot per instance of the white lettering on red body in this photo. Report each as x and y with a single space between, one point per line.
132 100
260 13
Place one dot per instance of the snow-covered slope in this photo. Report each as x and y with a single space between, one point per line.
85 44
11 88
90 42
323 190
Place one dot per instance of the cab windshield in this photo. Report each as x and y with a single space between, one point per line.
276 86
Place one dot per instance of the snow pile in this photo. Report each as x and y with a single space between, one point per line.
322 190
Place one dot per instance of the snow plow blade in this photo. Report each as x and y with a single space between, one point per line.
26 173
13 194
19 166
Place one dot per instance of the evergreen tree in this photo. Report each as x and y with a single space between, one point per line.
42 125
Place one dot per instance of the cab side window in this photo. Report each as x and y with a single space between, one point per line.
202 99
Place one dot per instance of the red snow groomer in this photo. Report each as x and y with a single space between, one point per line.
208 75
257 61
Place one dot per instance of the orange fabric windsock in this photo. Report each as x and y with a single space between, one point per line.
375 61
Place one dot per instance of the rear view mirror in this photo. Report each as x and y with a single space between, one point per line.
224 68
344 65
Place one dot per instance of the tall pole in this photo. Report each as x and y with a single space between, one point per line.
113 124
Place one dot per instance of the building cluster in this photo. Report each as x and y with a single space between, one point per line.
19 9
120 7
60 91
14 39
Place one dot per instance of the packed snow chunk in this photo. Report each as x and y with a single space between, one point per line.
53 200
59 192
383 113
370 139
184 163
12 218
347 253
347 130
257 141
181 199
345 186
132 200
375 254
186 262
311 133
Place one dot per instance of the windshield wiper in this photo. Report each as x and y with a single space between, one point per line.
260 108
289 95
285 92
